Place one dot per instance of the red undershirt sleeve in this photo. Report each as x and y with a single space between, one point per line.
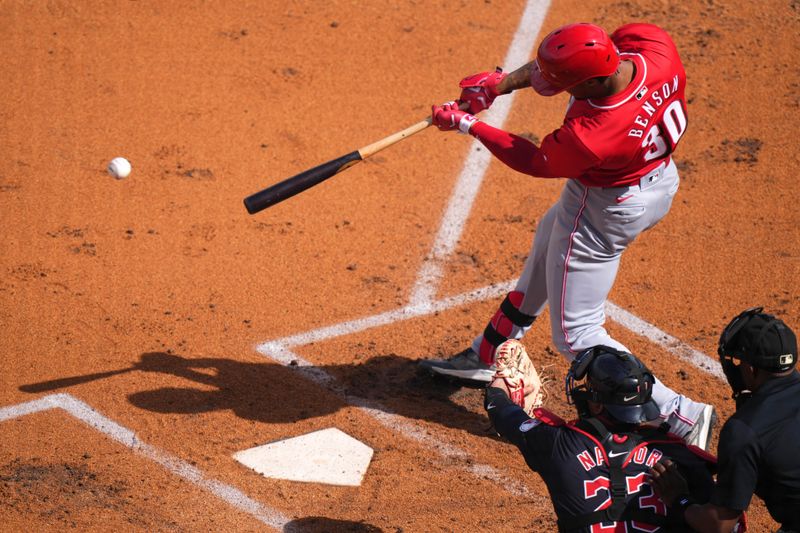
561 154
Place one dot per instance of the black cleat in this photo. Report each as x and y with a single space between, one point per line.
464 366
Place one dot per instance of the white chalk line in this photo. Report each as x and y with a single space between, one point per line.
665 340
478 159
278 349
388 317
128 438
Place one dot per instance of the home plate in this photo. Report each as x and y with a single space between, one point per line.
327 456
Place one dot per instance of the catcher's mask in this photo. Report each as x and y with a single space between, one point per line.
759 339
615 379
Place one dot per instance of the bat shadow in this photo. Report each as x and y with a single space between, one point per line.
273 393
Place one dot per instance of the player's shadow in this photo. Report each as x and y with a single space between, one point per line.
273 393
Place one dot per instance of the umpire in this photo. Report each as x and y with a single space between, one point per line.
758 445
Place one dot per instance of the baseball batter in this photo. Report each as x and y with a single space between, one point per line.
626 115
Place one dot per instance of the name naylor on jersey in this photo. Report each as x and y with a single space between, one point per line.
651 105
641 455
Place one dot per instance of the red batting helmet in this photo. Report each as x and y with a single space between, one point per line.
573 54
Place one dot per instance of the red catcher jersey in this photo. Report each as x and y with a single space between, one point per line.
614 141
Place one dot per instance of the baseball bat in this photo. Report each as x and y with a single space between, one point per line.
314 176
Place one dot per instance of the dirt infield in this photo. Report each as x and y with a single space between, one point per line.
147 302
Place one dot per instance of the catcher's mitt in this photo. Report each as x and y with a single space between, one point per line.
517 371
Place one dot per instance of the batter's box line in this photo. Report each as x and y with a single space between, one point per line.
128 438
278 349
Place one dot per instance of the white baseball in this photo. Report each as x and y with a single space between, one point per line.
119 167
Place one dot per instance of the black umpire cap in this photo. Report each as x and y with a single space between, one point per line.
760 340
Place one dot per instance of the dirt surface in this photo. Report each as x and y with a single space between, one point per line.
56 474
145 298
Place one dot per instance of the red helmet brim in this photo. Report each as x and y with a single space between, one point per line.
540 84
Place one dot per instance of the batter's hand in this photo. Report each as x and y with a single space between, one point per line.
449 117
480 90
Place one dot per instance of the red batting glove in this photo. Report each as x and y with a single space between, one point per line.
480 90
449 117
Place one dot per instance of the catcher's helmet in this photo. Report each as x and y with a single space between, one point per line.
571 55
615 379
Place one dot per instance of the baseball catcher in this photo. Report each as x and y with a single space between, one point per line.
596 468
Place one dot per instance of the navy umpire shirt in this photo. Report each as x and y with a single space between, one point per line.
759 451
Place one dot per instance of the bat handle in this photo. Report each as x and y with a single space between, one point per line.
386 142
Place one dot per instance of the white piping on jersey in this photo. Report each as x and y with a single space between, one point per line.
644 77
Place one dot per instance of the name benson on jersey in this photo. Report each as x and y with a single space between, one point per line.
641 455
657 97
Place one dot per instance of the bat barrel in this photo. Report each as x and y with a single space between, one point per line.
297 184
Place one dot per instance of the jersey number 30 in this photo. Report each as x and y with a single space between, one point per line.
674 122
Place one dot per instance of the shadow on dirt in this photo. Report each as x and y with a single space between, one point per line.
318 524
273 393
